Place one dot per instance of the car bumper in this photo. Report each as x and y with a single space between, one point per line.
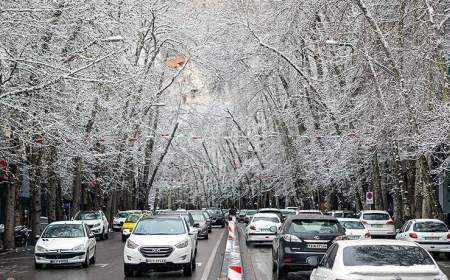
260 237
203 232
435 247
178 256
382 233
60 258
169 266
219 221
300 261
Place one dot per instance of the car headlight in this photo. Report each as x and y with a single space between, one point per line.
182 244
78 248
40 249
131 244
96 225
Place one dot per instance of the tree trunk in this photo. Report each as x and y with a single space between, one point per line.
430 204
76 191
376 180
52 185
10 216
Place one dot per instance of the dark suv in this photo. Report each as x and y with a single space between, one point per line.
217 216
302 242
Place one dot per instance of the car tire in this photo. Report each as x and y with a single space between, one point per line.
107 235
128 271
207 236
93 256
38 266
222 225
187 270
124 238
209 230
86 262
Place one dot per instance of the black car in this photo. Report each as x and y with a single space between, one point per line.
241 215
217 217
302 242
208 220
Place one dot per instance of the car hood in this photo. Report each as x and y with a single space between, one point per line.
158 240
60 243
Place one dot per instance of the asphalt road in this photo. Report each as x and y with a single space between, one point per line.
109 263
257 260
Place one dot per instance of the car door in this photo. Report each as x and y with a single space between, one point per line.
91 241
191 234
325 269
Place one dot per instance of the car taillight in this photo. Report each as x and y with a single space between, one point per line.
291 238
252 227
448 236
364 222
288 259
367 235
413 235
390 222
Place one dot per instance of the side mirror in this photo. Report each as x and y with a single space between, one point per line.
91 235
126 232
273 229
196 225
38 236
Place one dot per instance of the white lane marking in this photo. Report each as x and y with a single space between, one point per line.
102 265
210 262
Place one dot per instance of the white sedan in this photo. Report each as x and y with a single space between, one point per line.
260 228
377 259
354 229
68 242
431 234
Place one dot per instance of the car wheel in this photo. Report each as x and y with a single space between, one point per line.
209 230
38 265
187 270
124 238
207 236
222 225
107 235
86 261
93 256
128 271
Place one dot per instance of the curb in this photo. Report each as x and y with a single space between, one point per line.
231 268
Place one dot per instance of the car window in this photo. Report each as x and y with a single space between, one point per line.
159 227
352 225
88 216
122 215
88 231
250 212
381 255
266 219
198 217
64 231
331 256
430 226
132 218
315 227
376 216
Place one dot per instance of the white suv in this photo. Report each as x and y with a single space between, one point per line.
379 223
96 221
161 243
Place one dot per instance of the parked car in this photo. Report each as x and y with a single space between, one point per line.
208 220
217 216
161 243
379 223
129 225
200 219
120 218
249 215
241 215
377 259
97 222
275 211
310 211
292 208
343 214
68 242
302 242
431 234
354 229
288 212
260 228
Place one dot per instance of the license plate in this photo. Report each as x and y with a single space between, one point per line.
58 261
432 238
317 246
264 229
156 260
377 226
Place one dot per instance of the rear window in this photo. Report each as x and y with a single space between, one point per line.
376 217
352 225
430 227
380 255
267 219
132 219
250 212
315 227
198 216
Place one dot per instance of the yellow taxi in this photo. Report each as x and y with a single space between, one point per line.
129 224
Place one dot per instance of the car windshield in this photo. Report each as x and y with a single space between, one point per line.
88 216
266 219
250 212
215 211
376 216
288 212
122 215
430 227
160 227
242 213
381 255
198 217
352 225
132 219
64 231
315 227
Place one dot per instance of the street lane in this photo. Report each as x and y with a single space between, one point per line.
257 261
109 263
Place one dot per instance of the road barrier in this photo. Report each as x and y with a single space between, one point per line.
232 269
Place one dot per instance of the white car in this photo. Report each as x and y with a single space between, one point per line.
342 214
379 223
97 222
160 243
377 259
259 228
431 234
119 219
69 242
354 229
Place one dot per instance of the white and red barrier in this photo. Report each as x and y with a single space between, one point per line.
232 269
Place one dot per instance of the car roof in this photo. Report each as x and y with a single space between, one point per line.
310 210
348 243
269 209
348 220
266 215
76 222
343 211
374 211
170 217
174 213
312 217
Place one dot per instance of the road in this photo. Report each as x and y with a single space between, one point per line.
109 263
257 261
